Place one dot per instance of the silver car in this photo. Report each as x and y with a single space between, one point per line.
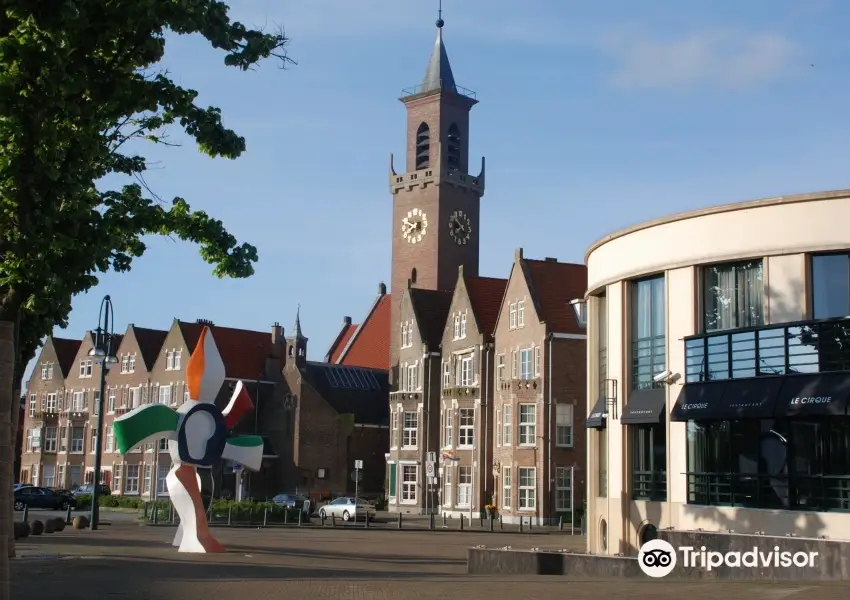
347 509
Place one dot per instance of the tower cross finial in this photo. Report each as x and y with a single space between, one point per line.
440 22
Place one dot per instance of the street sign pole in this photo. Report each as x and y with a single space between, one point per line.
572 501
358 465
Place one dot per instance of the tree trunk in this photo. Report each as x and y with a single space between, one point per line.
7 381
16 415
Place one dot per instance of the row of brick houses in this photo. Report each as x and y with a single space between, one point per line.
314 416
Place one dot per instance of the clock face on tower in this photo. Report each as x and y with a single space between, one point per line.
460 227
414 225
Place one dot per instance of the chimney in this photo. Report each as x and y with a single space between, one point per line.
518 254
206 322
277 340
550 259
346 321
382 289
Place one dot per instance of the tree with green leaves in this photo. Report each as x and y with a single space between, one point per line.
79 81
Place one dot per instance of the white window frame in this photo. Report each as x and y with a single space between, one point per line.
33 404
44 376
564 420
448 425
131 482
520 313
51 403
500 368
537 361
447 374
464 486
133 362
135 399
146 485
110 439
169 360
508 425
110 401
514 364
512 316
44 477
410 430
77 444
465 370
178 360
394 429
125 363
507 487
405 335
51 438
466 428
117 477
456 332
412 377
86 368
563 487
498 427
409 483
527 488
60 476
78 401
63 439
164 396
163 445
447 485
526 358
463 326
527 428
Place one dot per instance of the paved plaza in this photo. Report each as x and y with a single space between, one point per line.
127 560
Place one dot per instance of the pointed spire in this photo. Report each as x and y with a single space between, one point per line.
297 330
439 73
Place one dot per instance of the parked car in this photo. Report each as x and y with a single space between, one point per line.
292 501
63 492
87 489
348 509
18 486
38 497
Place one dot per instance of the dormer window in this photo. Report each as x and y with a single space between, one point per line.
128 363
173 360
86 368
423 147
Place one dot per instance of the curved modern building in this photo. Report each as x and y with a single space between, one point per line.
719 373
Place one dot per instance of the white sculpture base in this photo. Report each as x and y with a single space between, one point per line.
193 533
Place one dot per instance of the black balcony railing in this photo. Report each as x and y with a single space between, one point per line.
802 347
797 492
649 485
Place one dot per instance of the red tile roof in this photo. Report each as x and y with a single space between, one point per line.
150 342
369 345
341 341
432 310
552 285
244 352
66 351
485 297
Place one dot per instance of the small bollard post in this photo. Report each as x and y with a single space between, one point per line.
333 520
300 517
322 517
265 516
444 521
461 522
481 520
229 515
286 516
367 520
431 521
521 519
561 523
491 522
68 518
529 523
501 523
26 512
399 520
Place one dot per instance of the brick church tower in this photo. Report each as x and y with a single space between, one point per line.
436 202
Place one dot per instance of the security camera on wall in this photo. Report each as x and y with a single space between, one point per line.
663 377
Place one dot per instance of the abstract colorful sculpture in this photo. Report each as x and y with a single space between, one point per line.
197 434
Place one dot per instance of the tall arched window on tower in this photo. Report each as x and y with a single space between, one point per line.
423 147
453 158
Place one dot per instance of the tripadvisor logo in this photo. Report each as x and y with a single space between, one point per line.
658 558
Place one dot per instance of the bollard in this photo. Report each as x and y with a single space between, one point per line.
491 522
481 520
322 517
286 516
431 521
265 516
399 520
229 515
461 522
561 523
333 520
367 520
529 523
520 524
501 523
26 513
444 521
300 517
68 518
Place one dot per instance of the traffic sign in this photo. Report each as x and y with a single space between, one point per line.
358 464
357 476
429 469
431 457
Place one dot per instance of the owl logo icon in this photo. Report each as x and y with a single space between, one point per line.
657 558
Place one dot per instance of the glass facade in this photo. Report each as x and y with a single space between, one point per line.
830 286
733 295
648 342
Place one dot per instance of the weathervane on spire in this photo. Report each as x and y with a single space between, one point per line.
440 22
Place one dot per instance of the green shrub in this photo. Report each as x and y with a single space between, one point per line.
134 502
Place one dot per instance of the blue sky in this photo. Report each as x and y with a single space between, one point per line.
592 116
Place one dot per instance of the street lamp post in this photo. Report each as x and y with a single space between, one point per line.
103 354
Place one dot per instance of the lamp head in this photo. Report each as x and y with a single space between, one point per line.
109 362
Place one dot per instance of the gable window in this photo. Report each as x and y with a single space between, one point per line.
525 357
405 335
564 425
410 431
508 426
456 333
125 363
169 360
163 444
448 422
500 368
463 325
394 429
447 375
47 370
527 488
831 286
465 368
520 313
733 295
527 424
648 343
178 360
466 428
512 316
86 368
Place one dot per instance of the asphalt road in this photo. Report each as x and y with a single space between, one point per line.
130 561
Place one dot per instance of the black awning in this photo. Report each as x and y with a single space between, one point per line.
821 394
644 407
728 400
596 418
